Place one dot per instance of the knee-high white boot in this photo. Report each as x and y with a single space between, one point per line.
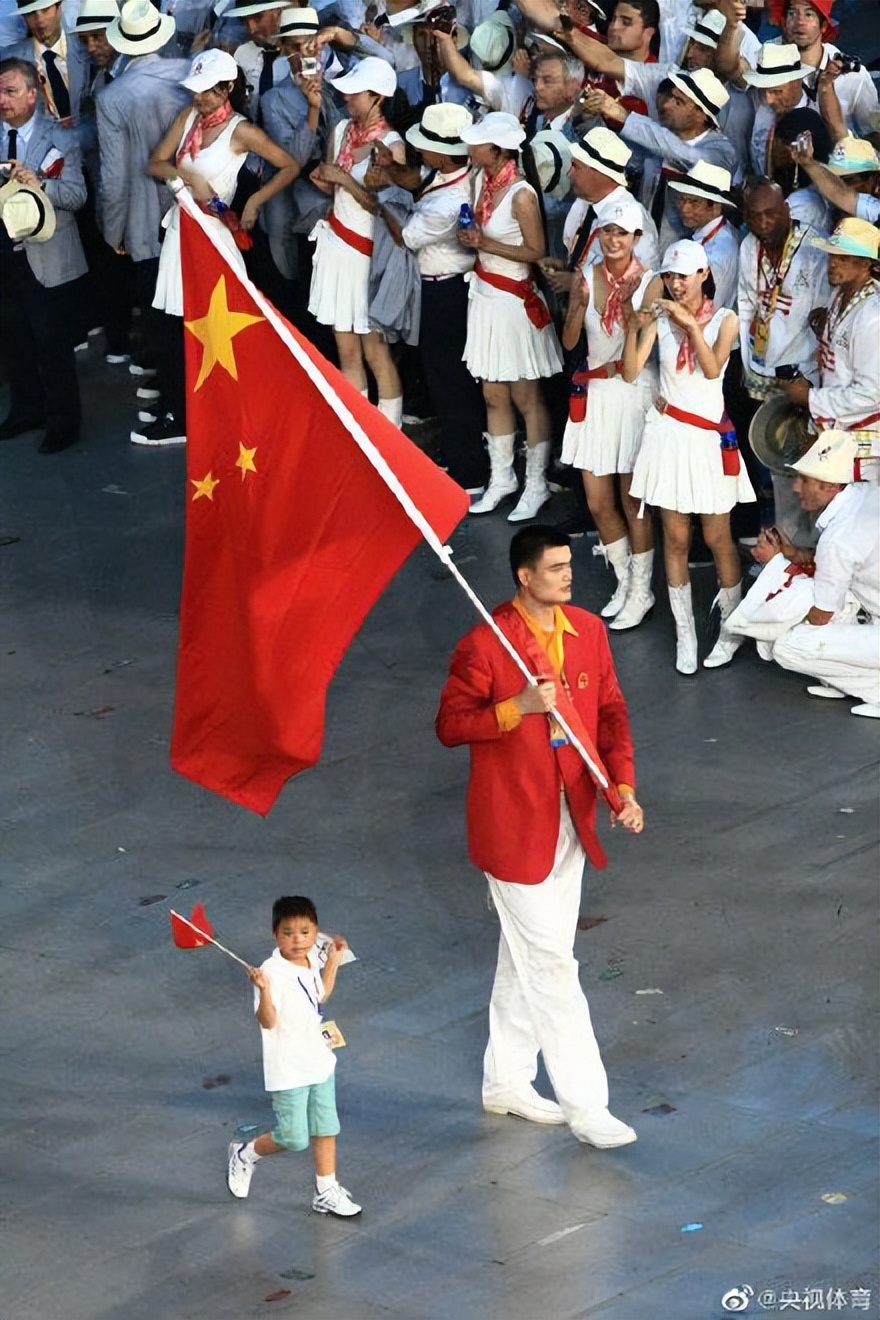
393 409
502 478
685 629
617 554
728 643
536 492
640 597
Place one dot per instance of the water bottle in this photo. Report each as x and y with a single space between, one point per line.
466 218
730 459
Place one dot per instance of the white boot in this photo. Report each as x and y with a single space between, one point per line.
640 597
685 629
393 409
617 554
502 479
536 492
728 643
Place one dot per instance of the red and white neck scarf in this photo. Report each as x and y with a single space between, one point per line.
686 360
192 142
618 291
491 187
357 136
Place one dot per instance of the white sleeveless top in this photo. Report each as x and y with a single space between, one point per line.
601 347
349 212
504 228
691 391
217 163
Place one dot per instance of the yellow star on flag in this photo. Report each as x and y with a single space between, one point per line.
245 460
205 487
216 331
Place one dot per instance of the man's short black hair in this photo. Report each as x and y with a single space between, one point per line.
650 12
290 907
528 546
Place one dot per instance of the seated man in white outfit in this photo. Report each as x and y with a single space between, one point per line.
838 642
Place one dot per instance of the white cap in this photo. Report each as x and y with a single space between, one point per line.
497 129
604 151
208 69
627 213
368 75
684 258
831 458
777 65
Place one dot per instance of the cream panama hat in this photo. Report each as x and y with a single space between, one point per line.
603 150
704 89
298 23
95 15
711 182
26 213
440 129
707 28
552 152
140 29
777 65
494 42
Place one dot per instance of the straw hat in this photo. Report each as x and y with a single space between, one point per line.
552 153
851 238
704 89
255 7
26 213
603 151
707 28
95 15
494 42
853 156
710 182
140 29
440 129
298 23
777 65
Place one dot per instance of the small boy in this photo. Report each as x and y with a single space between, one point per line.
298 1065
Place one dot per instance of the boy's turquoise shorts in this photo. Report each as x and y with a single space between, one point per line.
304 1112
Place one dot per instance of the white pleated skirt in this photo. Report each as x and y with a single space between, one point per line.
339 293
679 468
609 437
502 344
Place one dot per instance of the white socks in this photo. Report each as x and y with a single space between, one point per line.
324 1181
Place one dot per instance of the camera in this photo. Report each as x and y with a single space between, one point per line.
848 63
309 66
789 372
803 141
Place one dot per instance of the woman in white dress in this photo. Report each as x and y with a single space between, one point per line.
339 295
511 344
688 462
607 413
206 147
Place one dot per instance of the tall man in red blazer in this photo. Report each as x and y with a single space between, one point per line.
531 814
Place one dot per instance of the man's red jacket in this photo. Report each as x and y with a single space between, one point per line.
513 801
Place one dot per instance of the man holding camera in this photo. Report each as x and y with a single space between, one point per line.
807 24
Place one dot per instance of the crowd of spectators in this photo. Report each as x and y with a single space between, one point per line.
629 233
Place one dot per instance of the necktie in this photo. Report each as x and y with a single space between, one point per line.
108 77
266 76
658 205
12 147
583 238
60 94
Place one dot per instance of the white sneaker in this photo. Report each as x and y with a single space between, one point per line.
820 690
148 393
335 1201
600 1128
117 359
238 1171
868 711
144 373
527 1104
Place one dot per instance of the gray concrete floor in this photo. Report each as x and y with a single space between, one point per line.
747 911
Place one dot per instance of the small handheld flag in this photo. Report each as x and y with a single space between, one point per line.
195 931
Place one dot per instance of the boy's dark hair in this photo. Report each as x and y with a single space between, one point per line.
650 12
528 546
290 907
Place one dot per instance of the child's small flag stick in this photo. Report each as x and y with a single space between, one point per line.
184 940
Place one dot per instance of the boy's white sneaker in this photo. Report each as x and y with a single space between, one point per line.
238 1171
335 1201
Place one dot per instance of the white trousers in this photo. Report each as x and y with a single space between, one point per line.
845 655
537 1002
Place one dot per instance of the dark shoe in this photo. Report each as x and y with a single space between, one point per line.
56 441
14 426
164 432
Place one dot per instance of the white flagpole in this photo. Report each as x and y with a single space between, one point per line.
371 453
209 939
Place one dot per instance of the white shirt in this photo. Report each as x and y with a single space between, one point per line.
868 208
431 231
249 58
848 550
24 133
647 249
791 342
294 1051
722 248
764 126
849 366
510 92
856 93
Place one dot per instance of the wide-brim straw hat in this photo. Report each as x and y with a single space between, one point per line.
26 213
603 151
711 182
140 29
440 129
780 433
777 65
552 152
704 89
853 156
851 238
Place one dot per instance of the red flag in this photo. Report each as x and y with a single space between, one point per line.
184 936
291 534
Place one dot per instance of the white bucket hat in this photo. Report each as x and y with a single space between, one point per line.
704 89
710 182
684 258
707 28
368 75
832 458
298 23
552 153
140 29
95 15
26 213
494 42
440 129
777 65
497 129
627 213
603 150
208 69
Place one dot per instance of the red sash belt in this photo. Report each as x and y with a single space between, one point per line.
536 308
679 414
606 372
358 241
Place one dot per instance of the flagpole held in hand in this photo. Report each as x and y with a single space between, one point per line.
205 937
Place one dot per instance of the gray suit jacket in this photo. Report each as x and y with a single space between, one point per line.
134 114
78 67
294 210
61 259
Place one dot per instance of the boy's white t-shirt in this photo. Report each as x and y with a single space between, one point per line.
294 1051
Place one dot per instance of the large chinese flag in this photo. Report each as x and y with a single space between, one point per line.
292 532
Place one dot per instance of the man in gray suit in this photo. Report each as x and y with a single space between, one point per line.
38 281
134 113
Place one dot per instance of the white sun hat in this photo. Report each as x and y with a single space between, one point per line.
777 65
140 29
497 129
440 129
604 151
368 75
